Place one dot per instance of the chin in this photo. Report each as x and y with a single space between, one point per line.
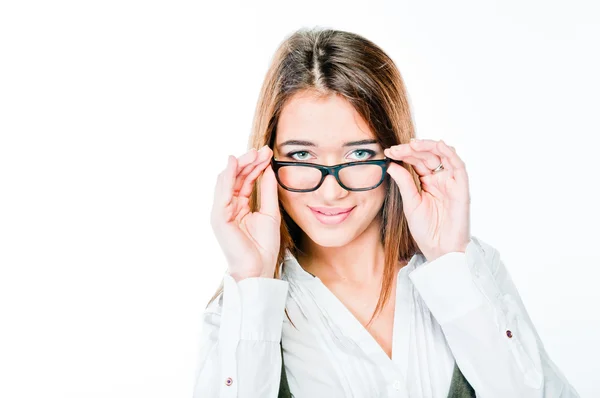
325 238
337 235
326 234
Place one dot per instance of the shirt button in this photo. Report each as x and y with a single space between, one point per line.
229 381
509 334
397 385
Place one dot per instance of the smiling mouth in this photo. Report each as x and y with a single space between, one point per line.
331 216
331 212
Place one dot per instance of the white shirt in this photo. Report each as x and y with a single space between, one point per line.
460 307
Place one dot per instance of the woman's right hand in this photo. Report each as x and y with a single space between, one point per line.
249 240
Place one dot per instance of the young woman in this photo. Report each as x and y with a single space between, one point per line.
349 252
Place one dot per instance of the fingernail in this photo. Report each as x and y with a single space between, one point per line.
262 149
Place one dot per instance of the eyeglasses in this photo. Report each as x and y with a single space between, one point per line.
362 175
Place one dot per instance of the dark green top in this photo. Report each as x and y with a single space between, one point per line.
459 386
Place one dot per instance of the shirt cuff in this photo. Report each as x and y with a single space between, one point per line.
447 285
260 303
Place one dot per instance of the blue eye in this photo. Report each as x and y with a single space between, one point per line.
291 155
366 153
361 154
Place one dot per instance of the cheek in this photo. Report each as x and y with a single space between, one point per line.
282 195
289 200
377 195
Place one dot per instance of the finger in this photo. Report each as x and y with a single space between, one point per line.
248 184
433 146
223 194
411 198
243 172
425 145
457 164
228 179
269 202
430 159
452 163
423 161
428 145
246 159
406 184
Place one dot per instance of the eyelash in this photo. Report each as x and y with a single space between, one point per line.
370 152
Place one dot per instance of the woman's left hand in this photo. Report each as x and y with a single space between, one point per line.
438 217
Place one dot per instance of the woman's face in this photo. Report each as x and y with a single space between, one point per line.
329 127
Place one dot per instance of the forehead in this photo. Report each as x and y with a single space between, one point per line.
326 121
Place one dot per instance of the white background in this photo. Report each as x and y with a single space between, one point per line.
116 117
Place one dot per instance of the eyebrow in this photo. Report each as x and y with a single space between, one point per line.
310 143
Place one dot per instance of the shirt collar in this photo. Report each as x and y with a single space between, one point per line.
293 269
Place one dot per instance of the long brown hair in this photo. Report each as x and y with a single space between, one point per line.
327 61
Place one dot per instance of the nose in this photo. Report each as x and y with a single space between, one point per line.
331 190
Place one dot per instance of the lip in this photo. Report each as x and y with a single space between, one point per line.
340 214
331 210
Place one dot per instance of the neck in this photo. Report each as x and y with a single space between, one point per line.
360 261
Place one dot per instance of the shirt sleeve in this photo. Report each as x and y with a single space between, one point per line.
239 348
486 325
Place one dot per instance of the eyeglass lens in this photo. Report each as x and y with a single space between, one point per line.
354 177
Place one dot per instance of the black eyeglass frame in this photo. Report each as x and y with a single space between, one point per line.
334 171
